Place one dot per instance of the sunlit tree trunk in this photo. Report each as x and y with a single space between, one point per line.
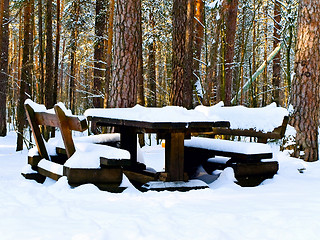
151 94
305 85
49 58
41 55
126 53
25 73
4 48
178 51
99 60
230 12
188 71
56 59
140 79
276 60
109 51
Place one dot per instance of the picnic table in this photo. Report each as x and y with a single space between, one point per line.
170 123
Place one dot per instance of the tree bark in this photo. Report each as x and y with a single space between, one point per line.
4 47
49 58
231 11
99 60
152 101
126 53
109 51
56 58
305 85
178 51
41 56
25 74
276 60
140 79
188 71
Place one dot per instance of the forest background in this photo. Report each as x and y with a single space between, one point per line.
108 53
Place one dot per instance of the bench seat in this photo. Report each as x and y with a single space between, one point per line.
252 162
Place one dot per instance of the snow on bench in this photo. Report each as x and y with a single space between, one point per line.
238 151
244 157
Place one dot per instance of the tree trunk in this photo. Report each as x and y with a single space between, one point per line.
41 56
151 74
99 61
188 71
276 60
109 52
178 51
56 59
4 47
126 53
231 10
25 74
49 58
140 80
73 54
305 85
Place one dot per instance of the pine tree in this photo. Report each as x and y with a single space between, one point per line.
305 85
4 48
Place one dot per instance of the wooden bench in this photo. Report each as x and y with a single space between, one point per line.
106 176
246 158
262 137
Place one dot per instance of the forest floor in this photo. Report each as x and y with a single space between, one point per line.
285 207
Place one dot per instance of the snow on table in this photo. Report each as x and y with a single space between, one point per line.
264 119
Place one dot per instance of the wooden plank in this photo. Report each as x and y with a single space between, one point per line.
34 160
249 169
46 119
145 125
235 157
77 124
65 131
107 162
49 174
78 176
36 132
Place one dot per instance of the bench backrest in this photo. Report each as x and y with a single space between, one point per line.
277 133
38 115
67 123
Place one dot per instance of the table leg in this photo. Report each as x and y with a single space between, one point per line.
128 141
174 157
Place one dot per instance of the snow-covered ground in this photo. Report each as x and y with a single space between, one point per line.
285 207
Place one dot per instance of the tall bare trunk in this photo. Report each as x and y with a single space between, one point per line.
4 48
231 11
41 55
188 71
25 74
178 51
276 60
305 85
56 58
109 52
126 53
99 60
49 58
